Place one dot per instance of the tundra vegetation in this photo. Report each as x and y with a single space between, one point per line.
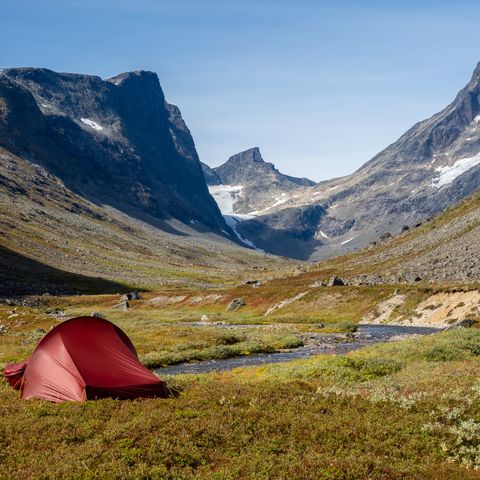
407 409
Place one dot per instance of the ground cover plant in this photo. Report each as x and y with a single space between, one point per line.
401 410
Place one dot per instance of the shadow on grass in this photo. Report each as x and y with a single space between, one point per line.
21 275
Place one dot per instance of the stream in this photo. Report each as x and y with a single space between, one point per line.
315 343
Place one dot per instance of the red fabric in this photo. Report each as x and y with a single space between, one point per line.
14 373
86 358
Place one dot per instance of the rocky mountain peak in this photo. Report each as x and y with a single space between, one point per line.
248 156
247 167
139 77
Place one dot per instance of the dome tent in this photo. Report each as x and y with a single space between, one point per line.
81 359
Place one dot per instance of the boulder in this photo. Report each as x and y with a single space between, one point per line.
412 277
385 236
467 323
235 304
130 296
335 281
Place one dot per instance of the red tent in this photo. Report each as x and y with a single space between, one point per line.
81 359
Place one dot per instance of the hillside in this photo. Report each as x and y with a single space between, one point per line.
432 166
101 187
443 249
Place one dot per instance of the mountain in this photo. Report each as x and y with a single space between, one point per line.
101 188
432 166
115 142
247 187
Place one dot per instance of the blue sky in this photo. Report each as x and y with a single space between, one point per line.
319 86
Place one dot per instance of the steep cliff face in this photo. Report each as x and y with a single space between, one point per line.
115 142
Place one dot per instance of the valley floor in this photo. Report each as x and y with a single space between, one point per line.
393 411
401 410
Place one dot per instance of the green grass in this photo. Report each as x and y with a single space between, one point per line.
393 411
158 344
402 410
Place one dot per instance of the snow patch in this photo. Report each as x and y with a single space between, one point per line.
324 235
225 196
449 173
278 201
91 124
347 241
232 221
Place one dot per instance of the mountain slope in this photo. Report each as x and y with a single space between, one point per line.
443 249
432 166
54 240
114 142
101 187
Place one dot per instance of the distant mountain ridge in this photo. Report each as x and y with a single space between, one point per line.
245 167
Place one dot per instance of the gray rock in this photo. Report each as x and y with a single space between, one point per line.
467 323
335 282
130 296
235 304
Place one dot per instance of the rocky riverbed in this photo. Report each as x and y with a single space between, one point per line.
314 344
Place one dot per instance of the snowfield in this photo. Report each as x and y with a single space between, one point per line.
91 124
449 173
225 196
